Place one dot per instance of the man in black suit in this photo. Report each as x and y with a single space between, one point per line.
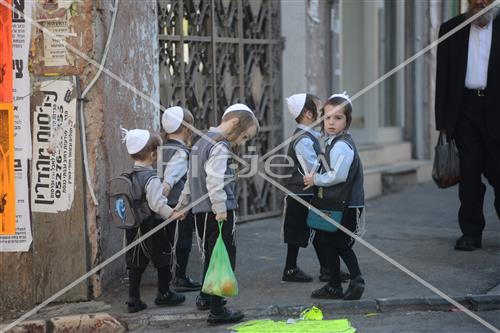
468 110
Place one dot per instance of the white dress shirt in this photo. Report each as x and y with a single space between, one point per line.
341 157
478 56
304 149
176 168
215 168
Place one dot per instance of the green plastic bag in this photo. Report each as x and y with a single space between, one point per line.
220 279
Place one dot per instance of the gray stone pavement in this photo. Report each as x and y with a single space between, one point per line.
417 227
397 322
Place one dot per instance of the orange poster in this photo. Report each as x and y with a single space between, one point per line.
5 53
7 177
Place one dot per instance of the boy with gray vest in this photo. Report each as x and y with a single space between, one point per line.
142 147
211 184
304 151
175 159
341 182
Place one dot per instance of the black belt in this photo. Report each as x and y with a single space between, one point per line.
476 92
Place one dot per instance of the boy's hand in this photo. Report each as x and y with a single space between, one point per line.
221 216
309 181
166 189
178 216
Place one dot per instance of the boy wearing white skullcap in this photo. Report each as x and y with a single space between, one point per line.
211 176
342 182
142 147
174 162
304 150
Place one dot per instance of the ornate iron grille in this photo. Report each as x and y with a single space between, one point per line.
217 52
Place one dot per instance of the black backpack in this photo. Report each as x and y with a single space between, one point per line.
127 198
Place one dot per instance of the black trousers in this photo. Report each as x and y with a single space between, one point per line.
479 155
155 249
185 229
182 250
296 231
338 245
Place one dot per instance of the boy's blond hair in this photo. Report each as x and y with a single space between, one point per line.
246 121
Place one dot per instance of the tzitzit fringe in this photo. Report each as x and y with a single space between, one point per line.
173 253
282 232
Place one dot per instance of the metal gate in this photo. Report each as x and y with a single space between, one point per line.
217 52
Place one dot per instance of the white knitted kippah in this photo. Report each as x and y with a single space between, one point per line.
296 104
172 119
135 139
237 107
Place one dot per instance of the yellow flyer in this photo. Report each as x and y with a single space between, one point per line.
7 176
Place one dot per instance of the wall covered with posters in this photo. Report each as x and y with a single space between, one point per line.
7 195
61 23
21 35
52 174
61 231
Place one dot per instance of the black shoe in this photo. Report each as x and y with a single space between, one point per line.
328 291
355 289
185 284
467 243
169 298
135 305
226 316
324 275
295 275
203 302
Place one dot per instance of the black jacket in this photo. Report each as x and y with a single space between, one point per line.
450 77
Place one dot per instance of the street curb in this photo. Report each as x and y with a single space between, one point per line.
329 308
89 322
422 304
102 321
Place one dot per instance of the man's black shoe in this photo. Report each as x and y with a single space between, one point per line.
169 298
135 305
203 302
328 291
467 243
295 275
226 316
355 289
324 275
183 284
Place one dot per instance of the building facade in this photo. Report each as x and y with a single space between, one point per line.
205 55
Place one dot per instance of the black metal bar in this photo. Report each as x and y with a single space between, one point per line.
188 78
181 45
271 89
214 62
225 40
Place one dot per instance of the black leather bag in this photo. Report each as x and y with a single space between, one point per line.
446 168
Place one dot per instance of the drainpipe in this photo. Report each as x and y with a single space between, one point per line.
418 98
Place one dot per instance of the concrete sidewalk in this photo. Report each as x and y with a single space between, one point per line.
416 227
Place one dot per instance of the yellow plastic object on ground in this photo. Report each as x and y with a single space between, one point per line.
313 313
311 322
